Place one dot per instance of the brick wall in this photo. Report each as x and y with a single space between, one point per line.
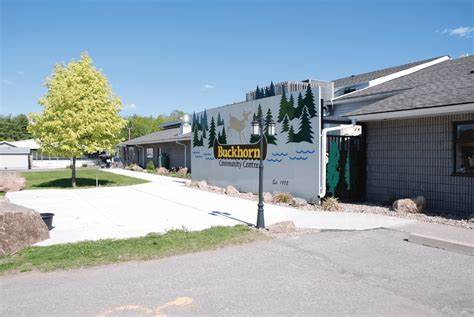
413 157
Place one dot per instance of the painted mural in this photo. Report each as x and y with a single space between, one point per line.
291 162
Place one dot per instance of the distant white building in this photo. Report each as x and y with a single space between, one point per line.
13 157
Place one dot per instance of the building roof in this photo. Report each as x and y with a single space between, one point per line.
448 83
6 150
365 77
168 135
5 143
29 143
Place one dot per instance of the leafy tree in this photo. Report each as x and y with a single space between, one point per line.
285 126
212 133
142 125
271 139
81 113
305 133
14 128
291 135
309 102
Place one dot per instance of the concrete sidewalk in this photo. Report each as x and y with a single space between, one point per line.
165 203
440 236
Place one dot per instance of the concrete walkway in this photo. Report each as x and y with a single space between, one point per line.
165 203
440 236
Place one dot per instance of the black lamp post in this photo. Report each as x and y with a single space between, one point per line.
258 129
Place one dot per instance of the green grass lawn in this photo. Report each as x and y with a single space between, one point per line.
152 246
86 177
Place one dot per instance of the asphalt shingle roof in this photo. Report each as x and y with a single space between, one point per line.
365 77
168 135
447 83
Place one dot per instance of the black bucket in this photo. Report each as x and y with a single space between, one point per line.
48 219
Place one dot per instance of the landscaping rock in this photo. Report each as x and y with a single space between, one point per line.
202 185
162 171
182 172
299 202
231 190
282 227
216 189
247 196
405 206
267 197
11 181
19 227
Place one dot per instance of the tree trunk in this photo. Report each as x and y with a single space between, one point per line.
73 168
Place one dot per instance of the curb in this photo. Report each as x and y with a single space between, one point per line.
444 244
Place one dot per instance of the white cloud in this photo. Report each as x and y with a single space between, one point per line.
20 73
208 86
7 82
462 31
130 106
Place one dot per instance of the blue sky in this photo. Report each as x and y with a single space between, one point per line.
191 55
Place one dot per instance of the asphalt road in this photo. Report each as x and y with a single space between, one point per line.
328 273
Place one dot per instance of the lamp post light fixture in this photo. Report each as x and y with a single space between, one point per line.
258 129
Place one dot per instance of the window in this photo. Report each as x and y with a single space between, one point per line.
464 148
149 153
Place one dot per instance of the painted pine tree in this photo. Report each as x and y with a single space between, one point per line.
195 137
212 133
291 135
299 106
223 137
271 139
305 133
309 102
285 126
282 111
290 108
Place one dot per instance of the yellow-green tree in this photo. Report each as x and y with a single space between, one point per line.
80 115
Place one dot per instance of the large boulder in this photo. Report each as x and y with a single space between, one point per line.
19 227
231 190
11 181
182 172
282 227
405 205
267 197
202 185
162 171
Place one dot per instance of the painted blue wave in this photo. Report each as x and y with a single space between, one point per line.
279 154
274 160
209 158
198 156
196 152
305 151
208 154
298 158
